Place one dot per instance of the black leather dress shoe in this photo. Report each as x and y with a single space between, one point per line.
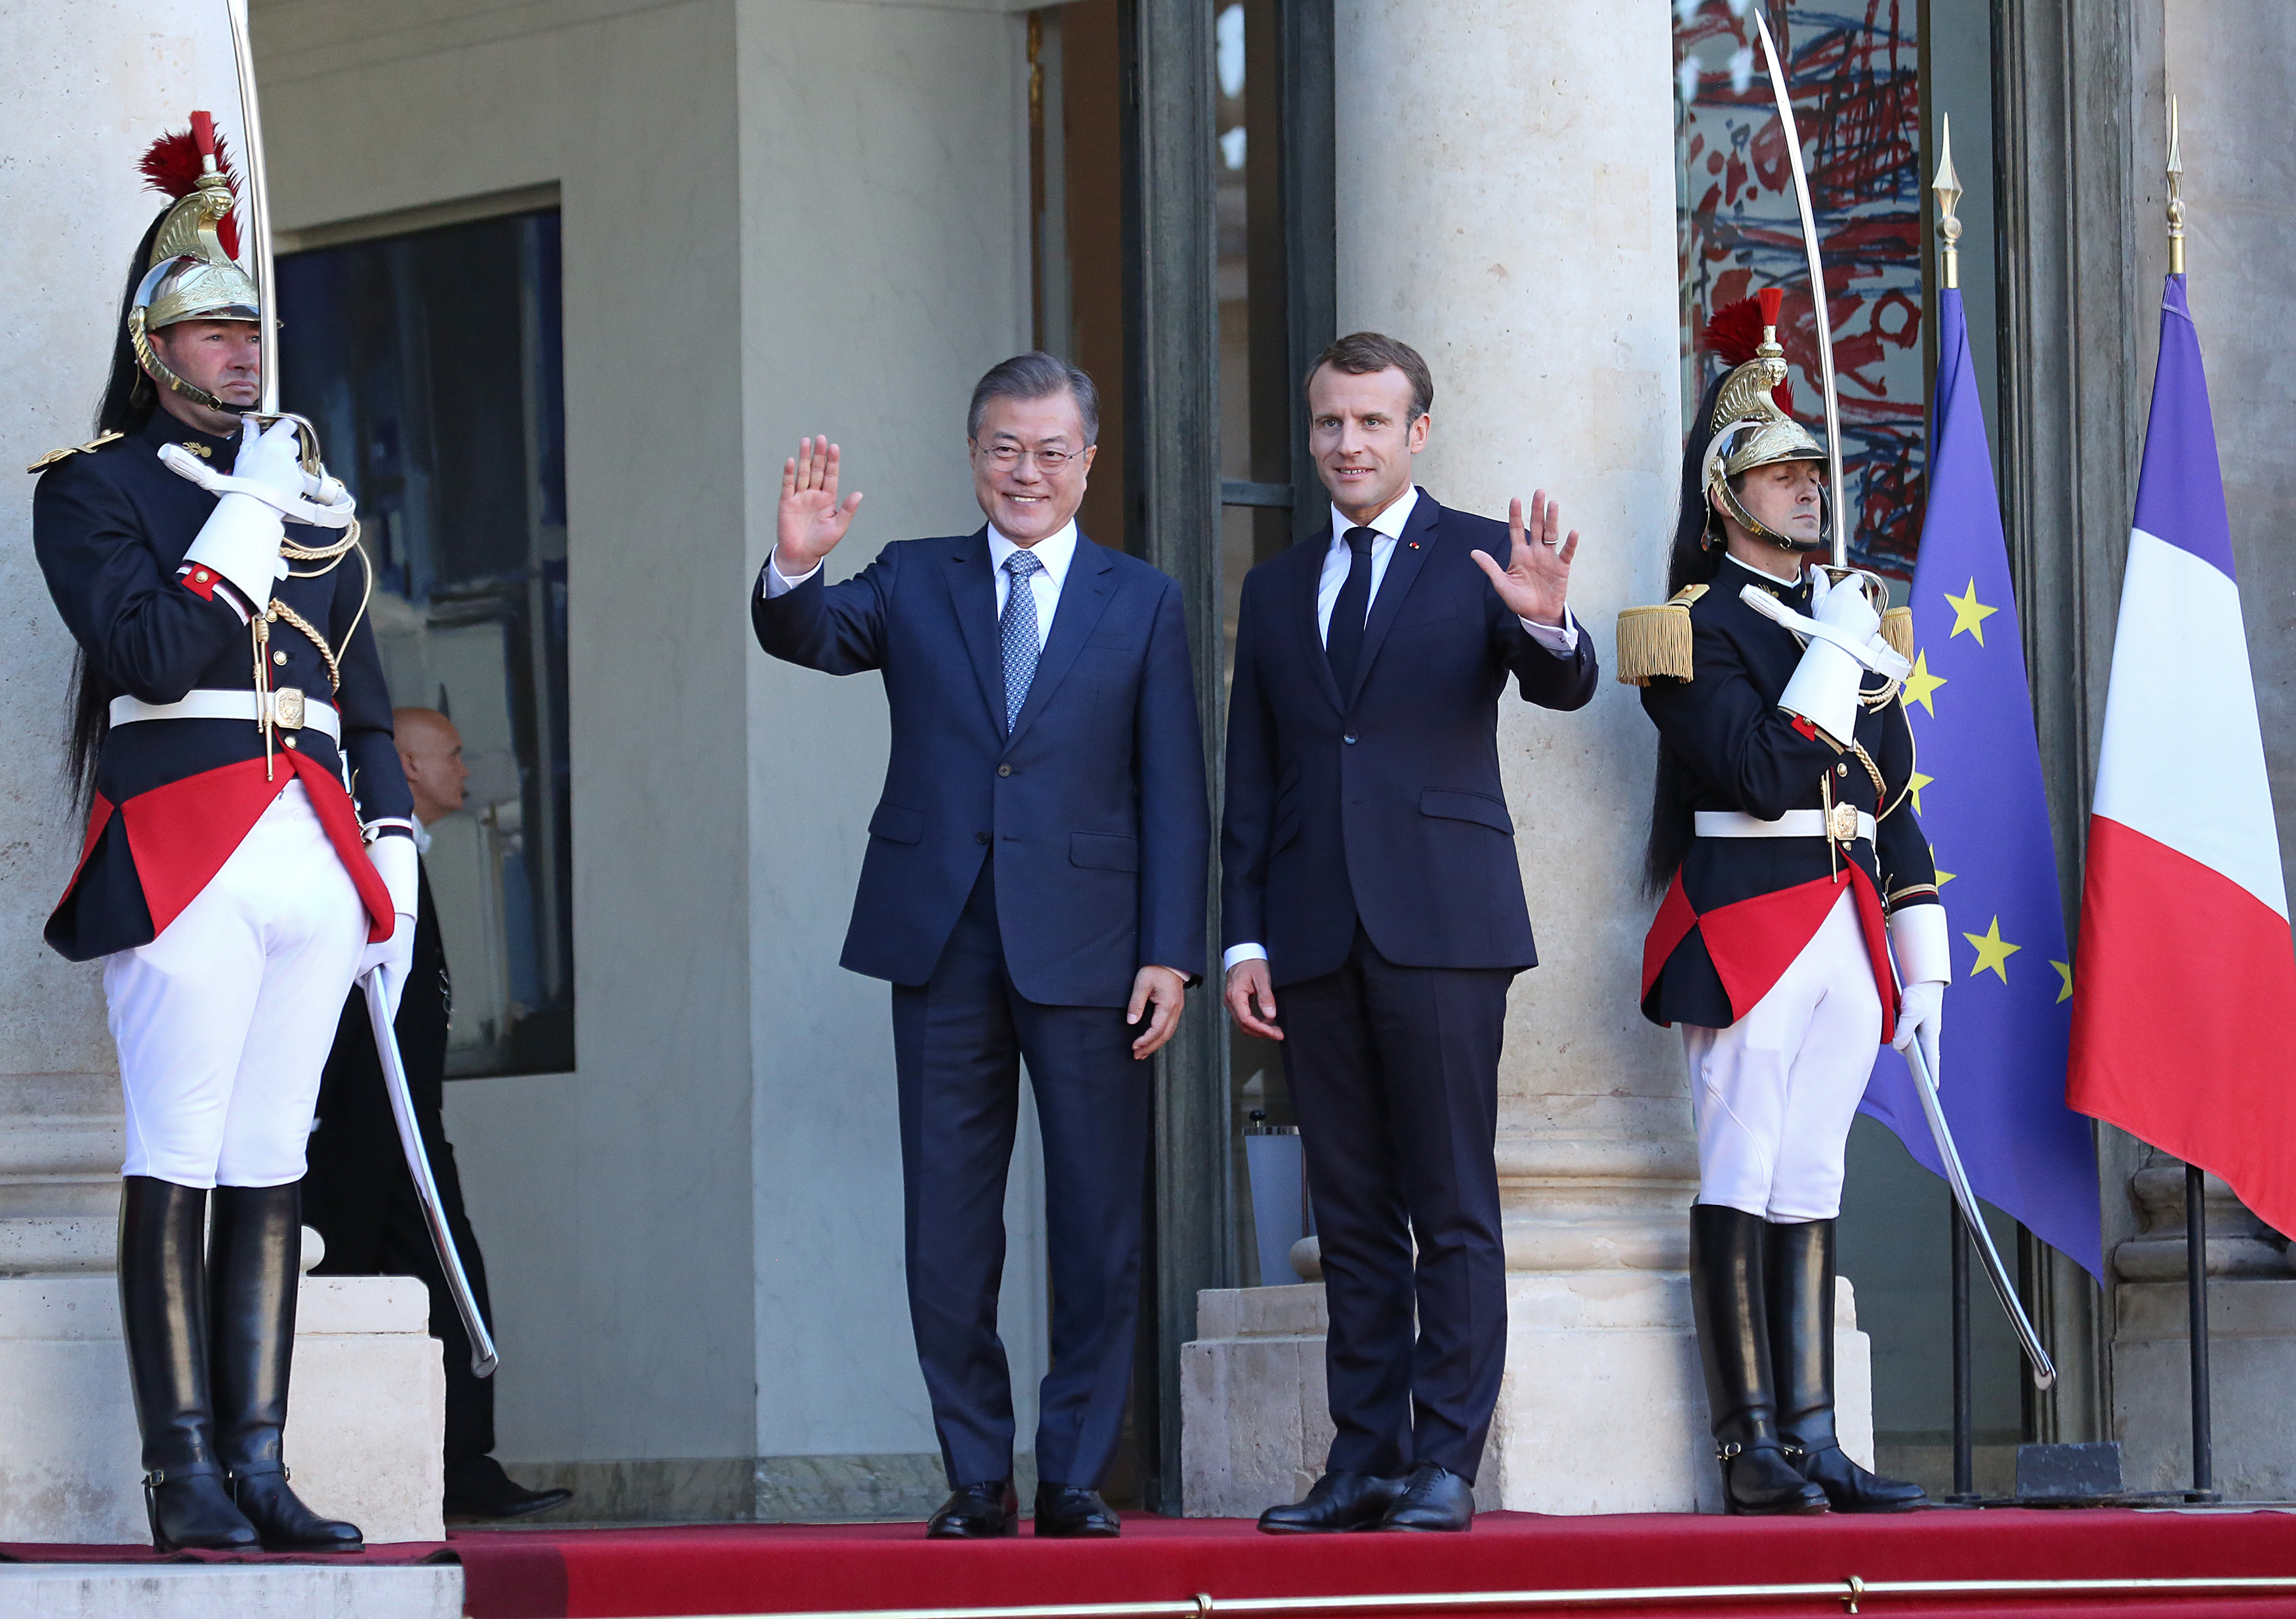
479 1488
1340 1502
1070 1512
977 1512
1434 1499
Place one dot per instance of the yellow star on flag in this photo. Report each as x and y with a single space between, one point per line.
1969 613
1921 683
1992 951
1914 785
2064 971
1944 877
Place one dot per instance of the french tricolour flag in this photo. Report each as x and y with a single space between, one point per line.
2185 975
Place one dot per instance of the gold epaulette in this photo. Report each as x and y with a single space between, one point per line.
54 456
1897 631
1655 641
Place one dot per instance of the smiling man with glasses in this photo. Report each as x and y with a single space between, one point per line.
1033 889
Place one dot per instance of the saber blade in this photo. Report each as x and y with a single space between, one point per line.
2044 1370
1839 491
258 211
483 1358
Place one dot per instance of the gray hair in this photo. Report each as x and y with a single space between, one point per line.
1036 375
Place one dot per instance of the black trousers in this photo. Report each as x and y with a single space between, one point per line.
358 1196
958 1041
1394 1074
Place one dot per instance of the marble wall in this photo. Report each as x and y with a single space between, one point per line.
1506 205
90 82
885 241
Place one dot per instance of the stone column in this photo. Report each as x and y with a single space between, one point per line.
94 82
1506 204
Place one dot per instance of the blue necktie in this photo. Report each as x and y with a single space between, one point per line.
1017 630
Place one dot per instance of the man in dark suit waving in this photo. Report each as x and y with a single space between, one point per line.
1034 889
1369 873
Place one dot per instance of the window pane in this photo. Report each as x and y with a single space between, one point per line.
430 363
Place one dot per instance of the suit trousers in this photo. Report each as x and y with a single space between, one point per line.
1394 1075
958 1041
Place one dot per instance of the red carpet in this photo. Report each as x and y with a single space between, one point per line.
615 1573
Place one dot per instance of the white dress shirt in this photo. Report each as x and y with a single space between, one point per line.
1561 639
1054 551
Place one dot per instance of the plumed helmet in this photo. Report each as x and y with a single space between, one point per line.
193 272
1752 424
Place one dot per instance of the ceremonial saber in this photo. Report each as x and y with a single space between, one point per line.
1840 489
258 211
2045 1372
483 1358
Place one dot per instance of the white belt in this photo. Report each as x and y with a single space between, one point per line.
1792 824
290 710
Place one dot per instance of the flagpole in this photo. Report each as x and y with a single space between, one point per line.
1964 1377
1947 187
2196 1204
2196 1284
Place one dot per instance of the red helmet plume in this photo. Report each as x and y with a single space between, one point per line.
174 162
1735 332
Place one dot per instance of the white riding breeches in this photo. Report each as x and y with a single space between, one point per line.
224 1021
1774 1093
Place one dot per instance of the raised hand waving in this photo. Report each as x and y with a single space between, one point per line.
1537 579
811 520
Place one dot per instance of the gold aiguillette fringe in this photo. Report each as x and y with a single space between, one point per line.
1897 631
1654 642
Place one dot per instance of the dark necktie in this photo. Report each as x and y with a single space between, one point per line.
1343 641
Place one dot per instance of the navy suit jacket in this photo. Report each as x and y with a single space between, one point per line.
1383 804
1095 804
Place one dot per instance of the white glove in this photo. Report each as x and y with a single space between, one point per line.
241 538
1843 606
396 862
1918 940
1865 644
269 470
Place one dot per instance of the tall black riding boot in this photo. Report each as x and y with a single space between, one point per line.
252 1273
164 1317
1800 1283
1725 1292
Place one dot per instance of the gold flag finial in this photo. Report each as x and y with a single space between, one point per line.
2176 194
1947 186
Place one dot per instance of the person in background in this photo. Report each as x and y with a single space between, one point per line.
358 1194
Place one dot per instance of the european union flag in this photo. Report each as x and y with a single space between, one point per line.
1977 788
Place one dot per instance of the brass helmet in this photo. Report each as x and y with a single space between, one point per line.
193 274
1751 426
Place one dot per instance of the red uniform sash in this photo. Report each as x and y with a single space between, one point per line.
1753 943
180 834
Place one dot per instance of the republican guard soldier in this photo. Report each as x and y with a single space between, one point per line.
248 847
1784 840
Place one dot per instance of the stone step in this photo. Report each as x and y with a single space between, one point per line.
277 1590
